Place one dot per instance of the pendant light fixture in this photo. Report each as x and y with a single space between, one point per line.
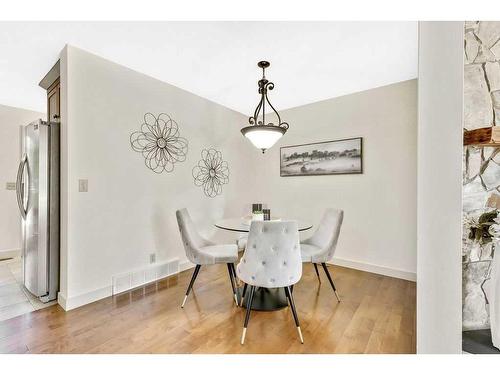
264 135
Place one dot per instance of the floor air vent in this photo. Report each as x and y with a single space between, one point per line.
130 280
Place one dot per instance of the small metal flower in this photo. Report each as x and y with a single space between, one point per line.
211 172
159 142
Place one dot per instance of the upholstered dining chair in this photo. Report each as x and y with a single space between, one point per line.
320 247
241 242
201 251
271 260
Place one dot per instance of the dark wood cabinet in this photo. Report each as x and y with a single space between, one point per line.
51 83
54 101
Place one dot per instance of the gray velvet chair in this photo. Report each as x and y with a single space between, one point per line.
320 248
271 260
201 251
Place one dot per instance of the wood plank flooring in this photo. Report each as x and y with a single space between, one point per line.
376 315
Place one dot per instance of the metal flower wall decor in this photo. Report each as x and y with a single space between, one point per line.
159 142
211 172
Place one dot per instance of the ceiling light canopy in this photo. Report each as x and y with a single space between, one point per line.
264 135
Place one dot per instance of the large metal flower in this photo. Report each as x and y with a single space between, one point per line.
211 172
159 142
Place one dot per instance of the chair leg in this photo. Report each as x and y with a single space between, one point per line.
247 316
236 280
243 294
287 295
294 312
317 273
325 268
191 283
234 273
231 277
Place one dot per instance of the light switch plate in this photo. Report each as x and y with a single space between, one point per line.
10 186
83 186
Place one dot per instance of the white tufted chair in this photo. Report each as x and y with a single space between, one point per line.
321 246
203 252
271 260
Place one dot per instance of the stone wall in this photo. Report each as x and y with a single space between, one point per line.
481 74
481 174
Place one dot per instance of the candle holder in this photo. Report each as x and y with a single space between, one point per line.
256 207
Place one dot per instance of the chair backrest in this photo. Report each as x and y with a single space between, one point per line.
327 234
272 256
191 239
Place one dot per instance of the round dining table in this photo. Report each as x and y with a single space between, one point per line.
239 224
265 299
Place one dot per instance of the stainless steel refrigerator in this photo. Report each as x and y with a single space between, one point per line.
37 190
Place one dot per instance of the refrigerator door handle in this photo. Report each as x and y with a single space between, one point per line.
20 189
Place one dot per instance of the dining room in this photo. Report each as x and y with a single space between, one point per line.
234 205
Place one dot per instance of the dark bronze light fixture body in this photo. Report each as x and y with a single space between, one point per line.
264 135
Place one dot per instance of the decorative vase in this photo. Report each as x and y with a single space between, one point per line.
258 217
256 207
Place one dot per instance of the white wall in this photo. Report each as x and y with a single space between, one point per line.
440 97
129 211
379 230
11 119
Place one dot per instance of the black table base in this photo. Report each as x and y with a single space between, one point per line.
265 299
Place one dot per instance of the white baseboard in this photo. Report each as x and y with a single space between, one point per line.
61 300
10 253
85 298
107 291
373 268
185 265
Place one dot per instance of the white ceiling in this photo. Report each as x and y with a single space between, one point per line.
310 61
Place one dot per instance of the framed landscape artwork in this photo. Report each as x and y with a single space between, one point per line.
344 156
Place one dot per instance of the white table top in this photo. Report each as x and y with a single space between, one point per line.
239 224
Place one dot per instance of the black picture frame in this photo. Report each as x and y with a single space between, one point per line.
356 170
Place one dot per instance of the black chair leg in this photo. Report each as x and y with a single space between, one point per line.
247 316
191 283
325 268
233 270
289 295
317 273
233 285
243 294
236 280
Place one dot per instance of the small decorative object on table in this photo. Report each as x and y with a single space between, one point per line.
267 214
257 216
257 212
256 207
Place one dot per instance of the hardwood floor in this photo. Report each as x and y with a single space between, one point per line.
376 315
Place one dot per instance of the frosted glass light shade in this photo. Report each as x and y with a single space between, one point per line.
263 137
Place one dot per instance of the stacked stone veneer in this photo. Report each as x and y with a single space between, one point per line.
481 109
